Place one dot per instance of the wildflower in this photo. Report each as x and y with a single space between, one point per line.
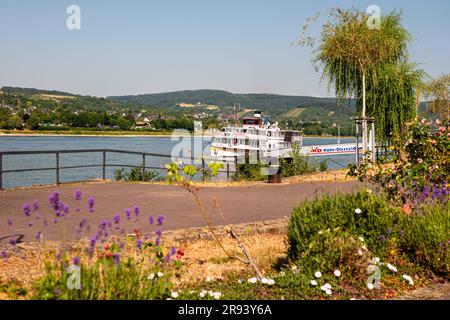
151 276
91 202
361 239
53 199
76 261
26 209
337 273
370 286
364 248
314 283
328 292
159 274
30 224
77 194
3 254
117 218
160 220
391 267
360 252
202 294
208 279
409 279
271 282
150 220
407 208
157 241
35 205
420 160
253 280
318 274
325 287
158 232
375 260
116 258
136 211
38 236
173 251
264 280
294 268
216 295
358 211
139 244
128 213
174 294
437 122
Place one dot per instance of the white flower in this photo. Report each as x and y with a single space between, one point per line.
253 280
174 294
160 274
360 252
313 282
208 279
294 268
202 294
325 287
318 274
409 279
370 286
240 280
282 274
391 267
369 191
328 292
361 239
151 276
271 282
358 211
352 299
337 273
364 248
375 260
264 280
216 295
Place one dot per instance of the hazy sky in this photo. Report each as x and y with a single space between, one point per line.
132 47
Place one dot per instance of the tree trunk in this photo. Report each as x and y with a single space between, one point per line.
364 123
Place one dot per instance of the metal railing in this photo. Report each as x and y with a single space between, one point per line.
104 164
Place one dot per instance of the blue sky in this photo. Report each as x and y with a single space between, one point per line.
132 47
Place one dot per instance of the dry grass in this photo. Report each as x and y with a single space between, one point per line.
203 258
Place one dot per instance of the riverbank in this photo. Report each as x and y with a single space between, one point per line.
89 133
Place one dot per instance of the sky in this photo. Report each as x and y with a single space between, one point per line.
135 47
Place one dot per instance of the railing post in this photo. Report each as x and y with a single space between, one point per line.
57 168
1 171
143 166
104 165
228 171
203 169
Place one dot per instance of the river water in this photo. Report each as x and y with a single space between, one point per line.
160 145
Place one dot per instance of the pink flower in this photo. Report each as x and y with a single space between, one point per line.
437 122
423 121
442 129
420 160
433 141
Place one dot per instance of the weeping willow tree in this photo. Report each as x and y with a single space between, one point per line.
437 92
371 65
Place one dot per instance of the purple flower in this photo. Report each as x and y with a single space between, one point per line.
173 250
76 261
93 241
158 232
65 208
117 218
116 258
10 222
35 205
128 213
53 199
57 292
139 244
157 241
4 254
58 255
30 224
136 211
160 220
38 236
91 203
382 237
26 209
77 195
150 220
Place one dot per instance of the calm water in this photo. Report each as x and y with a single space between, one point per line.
143 144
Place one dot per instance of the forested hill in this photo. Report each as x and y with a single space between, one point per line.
224 98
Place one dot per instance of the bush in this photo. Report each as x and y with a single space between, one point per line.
374 223
250 172
299 163
136 174
426 238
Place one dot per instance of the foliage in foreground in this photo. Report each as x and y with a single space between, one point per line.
334 231
136 174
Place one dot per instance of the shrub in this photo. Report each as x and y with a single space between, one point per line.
299 163
426 238
136 174
375 223
250 172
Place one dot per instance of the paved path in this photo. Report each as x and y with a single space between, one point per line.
239 204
